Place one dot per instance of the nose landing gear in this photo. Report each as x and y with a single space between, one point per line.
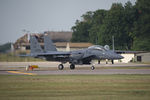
72 66
92 67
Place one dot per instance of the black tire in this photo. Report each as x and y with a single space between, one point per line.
60 67
92 67
72 66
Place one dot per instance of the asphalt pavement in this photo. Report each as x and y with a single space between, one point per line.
50 68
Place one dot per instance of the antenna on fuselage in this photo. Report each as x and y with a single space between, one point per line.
113 43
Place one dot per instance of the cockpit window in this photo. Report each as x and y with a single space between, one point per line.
97 47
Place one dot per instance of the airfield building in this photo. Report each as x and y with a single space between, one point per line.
143 57
60 39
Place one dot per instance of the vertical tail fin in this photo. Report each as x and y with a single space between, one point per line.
48 44
34 45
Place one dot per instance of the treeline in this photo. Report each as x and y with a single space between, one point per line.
129 24
5 47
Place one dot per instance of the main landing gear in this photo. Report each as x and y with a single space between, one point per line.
72 67
61 66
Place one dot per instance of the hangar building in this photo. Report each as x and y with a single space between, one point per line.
61 41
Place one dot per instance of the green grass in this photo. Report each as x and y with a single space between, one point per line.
75 87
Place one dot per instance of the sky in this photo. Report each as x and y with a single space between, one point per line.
18 17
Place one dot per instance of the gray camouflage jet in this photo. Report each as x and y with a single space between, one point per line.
78 57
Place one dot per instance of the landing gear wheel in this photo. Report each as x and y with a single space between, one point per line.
60 67
92 67
72 66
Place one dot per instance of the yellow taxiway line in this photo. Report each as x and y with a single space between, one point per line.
17 72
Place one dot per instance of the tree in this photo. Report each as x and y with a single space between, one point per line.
114 26
81 29
130 25
5 47
80 32
97 22
141 30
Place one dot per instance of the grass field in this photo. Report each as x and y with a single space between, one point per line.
75 87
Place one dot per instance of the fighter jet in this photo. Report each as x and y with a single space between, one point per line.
78 57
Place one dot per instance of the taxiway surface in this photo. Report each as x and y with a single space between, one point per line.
50 68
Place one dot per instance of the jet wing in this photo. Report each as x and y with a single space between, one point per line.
57 53
25 55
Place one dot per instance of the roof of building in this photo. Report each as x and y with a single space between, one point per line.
62 36
56 36
128 52
73 45
64 44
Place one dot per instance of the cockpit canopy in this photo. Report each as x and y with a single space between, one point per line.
97 47
107 47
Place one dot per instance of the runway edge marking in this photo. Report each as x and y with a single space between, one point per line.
17 72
